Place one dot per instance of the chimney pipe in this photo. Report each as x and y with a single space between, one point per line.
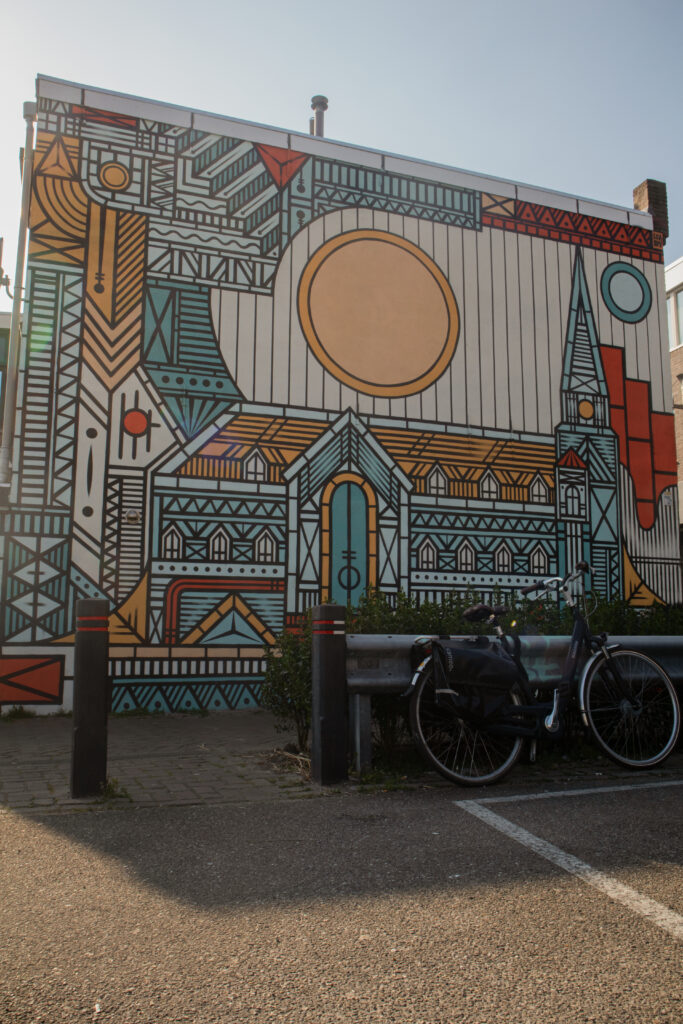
317 124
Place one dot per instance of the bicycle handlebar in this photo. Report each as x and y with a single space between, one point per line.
557 582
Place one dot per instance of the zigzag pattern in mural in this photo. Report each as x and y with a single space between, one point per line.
190 695
572 228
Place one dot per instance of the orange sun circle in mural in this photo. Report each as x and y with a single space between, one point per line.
114 176
378 313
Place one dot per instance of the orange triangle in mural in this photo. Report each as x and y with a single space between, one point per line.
57 161
635 590
127 623
282 163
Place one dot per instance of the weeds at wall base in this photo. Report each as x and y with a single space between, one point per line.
16 712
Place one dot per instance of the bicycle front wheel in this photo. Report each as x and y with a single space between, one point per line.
455 748
632 709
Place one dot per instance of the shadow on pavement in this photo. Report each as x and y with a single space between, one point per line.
342 846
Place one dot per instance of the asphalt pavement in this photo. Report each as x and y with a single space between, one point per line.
212 885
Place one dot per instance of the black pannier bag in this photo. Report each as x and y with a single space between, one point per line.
474 679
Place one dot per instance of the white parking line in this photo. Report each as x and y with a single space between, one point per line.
657 913
578 792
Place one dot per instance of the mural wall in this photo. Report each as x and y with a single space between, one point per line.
262 371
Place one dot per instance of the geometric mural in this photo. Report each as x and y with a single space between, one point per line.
262 370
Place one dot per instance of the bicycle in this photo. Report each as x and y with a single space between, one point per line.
473 707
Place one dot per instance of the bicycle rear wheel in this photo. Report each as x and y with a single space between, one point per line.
456 749
632 709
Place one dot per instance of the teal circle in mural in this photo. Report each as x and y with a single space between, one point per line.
626 292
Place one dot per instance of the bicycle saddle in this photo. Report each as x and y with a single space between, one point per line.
479 612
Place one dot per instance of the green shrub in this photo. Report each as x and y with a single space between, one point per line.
286 688
376 614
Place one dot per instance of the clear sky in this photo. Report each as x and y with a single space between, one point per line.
582 96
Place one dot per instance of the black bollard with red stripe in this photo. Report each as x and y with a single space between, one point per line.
91 698
329 723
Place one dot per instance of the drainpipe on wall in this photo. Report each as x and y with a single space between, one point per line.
15 325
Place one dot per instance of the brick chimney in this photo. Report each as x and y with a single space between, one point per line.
650 196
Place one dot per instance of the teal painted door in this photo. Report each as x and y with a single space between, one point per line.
348 544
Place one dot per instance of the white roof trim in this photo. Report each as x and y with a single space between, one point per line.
135 106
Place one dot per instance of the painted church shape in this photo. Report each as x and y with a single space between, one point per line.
587 451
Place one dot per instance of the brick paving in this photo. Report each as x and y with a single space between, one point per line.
185 760
153 760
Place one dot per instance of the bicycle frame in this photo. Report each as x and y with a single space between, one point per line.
471 714
581 641
546 715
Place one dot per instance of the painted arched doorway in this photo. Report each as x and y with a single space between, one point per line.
349 539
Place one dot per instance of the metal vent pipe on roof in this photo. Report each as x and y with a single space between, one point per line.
317 123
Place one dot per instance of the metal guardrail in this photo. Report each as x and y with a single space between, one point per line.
380 663
349 669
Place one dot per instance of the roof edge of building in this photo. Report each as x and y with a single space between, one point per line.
48 87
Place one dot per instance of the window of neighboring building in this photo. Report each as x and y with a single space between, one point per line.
674 305
266 547
255 466
467 559
437 482
673 326
427 557
172 543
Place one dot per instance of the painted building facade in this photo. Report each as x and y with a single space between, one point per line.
262 370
